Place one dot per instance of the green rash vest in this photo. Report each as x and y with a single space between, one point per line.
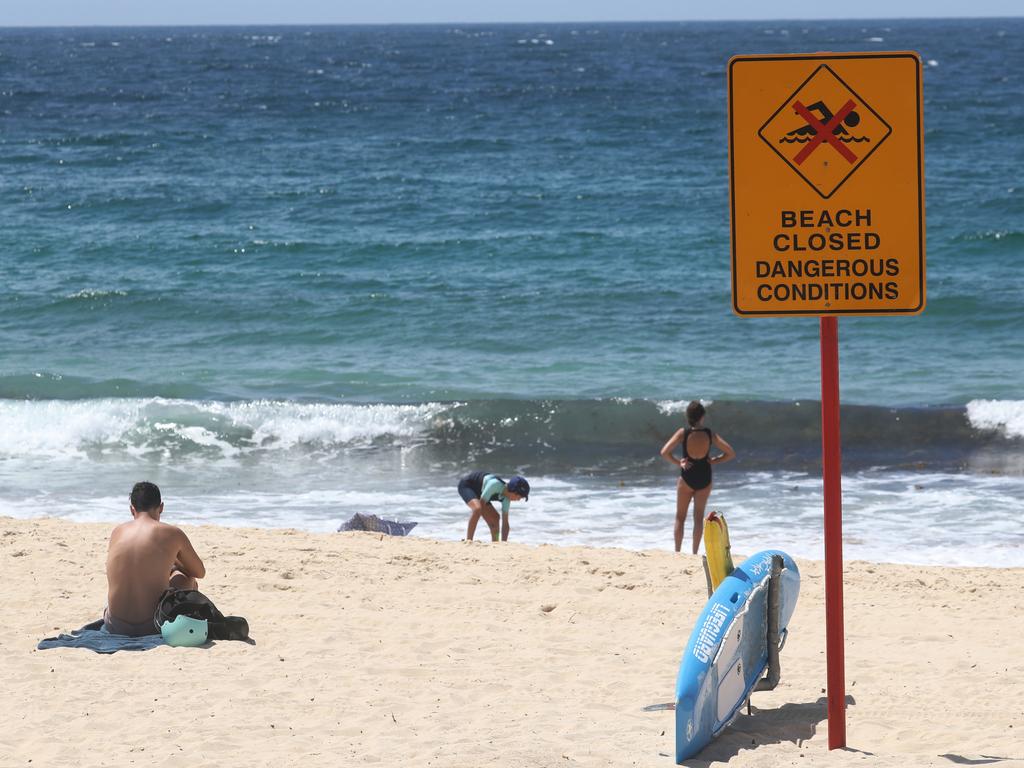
493 486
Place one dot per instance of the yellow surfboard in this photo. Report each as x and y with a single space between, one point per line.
717 549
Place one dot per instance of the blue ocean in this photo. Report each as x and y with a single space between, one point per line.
295 273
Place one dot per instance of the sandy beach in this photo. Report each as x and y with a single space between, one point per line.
410 651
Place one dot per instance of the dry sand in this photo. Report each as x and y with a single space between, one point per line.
414 652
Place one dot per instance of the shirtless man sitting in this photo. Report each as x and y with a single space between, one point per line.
144 558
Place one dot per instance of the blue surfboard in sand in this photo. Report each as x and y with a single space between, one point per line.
728 650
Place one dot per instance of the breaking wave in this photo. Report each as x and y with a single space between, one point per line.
576 434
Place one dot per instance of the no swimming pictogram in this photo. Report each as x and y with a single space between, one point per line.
828 132
822 146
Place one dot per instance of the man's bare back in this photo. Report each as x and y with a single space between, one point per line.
144 558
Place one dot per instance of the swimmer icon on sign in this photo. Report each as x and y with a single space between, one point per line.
830 128
815 141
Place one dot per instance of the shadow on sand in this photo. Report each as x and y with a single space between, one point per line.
979 760
794 723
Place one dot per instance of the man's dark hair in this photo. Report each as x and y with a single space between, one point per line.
145 497
694 413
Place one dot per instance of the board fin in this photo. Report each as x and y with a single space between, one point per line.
717 548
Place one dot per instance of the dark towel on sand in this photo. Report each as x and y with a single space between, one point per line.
95 637
373 523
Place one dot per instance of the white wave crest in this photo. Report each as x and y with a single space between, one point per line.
1006 416
68 428
286 424
54 428
93 293
668 407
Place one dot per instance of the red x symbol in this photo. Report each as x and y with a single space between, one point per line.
824 132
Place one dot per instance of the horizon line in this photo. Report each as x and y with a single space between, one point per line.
161 25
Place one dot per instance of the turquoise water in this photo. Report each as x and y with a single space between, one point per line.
299 264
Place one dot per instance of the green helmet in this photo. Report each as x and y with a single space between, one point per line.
185 631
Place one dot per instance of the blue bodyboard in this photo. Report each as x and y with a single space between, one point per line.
728 650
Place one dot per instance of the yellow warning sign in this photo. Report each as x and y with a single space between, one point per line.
826 157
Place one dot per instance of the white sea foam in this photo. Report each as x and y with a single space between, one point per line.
669 407
70 428
672 406
286 425
89 293
199 436
918 518
1005 416
55 428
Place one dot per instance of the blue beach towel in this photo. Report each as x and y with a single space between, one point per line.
95 637
376 525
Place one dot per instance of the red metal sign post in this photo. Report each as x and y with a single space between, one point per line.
831 461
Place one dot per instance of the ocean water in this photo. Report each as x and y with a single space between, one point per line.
295 273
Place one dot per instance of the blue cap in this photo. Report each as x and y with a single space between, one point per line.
518 485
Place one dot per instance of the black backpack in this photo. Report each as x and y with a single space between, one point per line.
196 605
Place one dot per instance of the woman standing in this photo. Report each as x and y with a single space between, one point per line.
694 470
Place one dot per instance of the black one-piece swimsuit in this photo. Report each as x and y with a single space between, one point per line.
698 474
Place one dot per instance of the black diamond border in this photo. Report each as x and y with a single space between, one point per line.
888 130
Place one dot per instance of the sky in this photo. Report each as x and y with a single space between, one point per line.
201 12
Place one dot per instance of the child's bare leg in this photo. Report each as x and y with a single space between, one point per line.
487 512
475 507
683 496
491 517
700 501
